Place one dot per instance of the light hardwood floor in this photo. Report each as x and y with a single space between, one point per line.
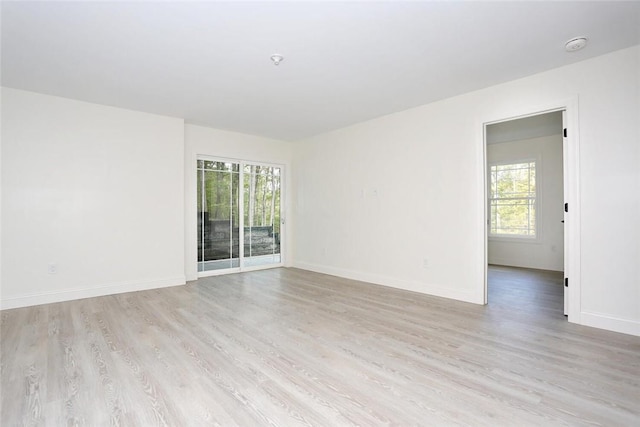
289 347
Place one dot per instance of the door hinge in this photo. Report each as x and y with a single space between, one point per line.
566 282
566 207
565 132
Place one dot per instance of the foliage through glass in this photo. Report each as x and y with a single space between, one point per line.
219 194
512 199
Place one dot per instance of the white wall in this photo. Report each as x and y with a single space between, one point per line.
546 251
98 191
206 141
398 200
375 199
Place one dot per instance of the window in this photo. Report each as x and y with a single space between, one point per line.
512 200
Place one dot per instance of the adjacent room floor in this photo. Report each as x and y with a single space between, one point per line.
538 292
290 347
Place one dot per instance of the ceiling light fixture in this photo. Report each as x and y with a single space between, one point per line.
575 44
277 59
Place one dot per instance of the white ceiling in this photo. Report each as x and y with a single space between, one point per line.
345 62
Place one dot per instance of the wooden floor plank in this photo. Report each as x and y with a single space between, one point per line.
292 347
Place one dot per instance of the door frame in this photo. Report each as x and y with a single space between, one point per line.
242 267
571 183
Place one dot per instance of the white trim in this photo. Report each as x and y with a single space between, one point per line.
527 264
565 195
89 292
616 324
483 204
392 282
219 272
514 238
261 267
571 175
233 270
572 219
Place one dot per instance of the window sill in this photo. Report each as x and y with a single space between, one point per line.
515 239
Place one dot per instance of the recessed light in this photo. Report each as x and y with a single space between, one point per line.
277 59
575 44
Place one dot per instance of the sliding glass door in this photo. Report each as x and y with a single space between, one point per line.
261 215
218 215
238 202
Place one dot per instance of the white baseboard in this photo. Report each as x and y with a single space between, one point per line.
393 282
595 320
603 321
524 264
88 292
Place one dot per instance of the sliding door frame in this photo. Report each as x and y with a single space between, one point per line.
242 163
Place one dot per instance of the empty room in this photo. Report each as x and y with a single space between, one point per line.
320 213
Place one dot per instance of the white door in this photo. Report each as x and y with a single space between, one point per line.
565 161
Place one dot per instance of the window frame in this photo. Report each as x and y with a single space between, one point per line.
536 203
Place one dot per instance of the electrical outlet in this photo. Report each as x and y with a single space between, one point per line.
52 268
425 263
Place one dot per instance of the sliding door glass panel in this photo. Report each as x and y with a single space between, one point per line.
218 215
262 193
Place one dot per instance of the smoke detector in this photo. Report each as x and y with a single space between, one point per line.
277 59
575 44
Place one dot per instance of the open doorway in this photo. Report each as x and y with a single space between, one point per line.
526 240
